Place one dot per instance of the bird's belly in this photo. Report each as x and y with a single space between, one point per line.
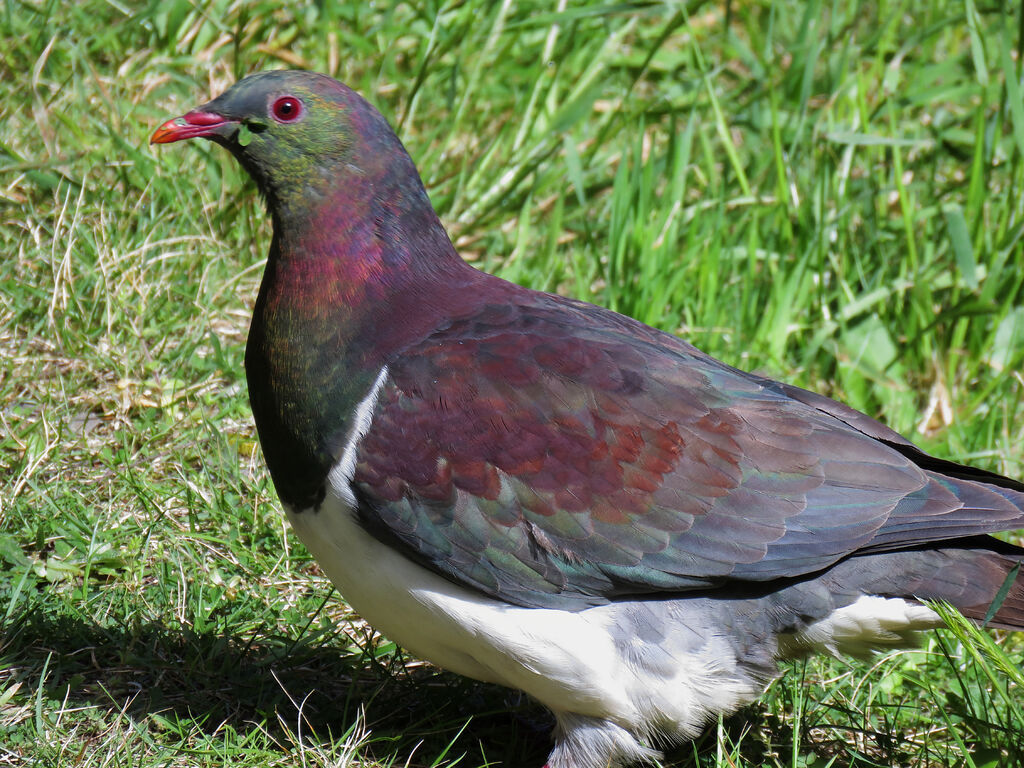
630 663
566 660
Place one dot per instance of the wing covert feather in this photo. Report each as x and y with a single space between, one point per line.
560 455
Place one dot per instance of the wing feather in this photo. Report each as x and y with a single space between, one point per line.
556 454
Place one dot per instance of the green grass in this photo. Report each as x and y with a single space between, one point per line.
830 193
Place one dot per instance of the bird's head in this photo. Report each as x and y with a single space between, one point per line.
300 135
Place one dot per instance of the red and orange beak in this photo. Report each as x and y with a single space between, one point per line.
195 123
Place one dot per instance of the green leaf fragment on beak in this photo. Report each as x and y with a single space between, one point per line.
244 135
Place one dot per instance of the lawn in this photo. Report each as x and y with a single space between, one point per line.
827 193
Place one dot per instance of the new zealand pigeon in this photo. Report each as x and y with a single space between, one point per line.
541 493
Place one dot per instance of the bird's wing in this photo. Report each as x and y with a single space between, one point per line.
556 454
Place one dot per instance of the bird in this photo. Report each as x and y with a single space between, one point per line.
538 492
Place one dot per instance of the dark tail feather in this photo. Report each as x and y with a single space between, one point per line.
1006 608
981 576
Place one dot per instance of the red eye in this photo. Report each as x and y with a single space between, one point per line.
287 109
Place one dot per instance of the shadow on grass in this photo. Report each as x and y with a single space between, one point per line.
208 681
211 681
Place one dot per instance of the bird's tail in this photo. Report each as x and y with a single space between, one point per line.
1005 608
981 577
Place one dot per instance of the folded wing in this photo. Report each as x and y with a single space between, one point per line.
559 455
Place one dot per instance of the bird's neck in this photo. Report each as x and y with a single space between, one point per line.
345 290
360 273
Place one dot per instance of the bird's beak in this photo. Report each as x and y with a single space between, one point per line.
195 123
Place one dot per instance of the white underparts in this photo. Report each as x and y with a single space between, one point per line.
867 625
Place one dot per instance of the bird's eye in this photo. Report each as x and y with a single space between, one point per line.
287 109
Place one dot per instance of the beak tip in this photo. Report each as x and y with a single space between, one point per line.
167 132
196 124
